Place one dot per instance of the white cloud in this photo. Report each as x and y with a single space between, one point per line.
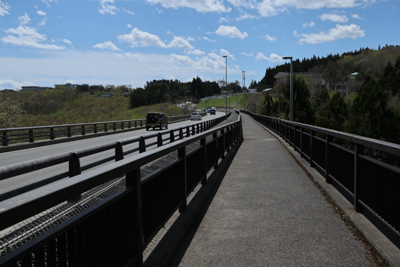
43 22
67 41
24 19
179 42
231 32
4 8
223 20
107 45
268 8
334 18
269 38
356 16
202 6
224 52
27 36
41 13
139 38
49 1
340 32
129 12
107 8
196 52
311 24
208 39
109 67
244 16
247 55
272 58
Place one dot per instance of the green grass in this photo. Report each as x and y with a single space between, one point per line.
55 107
221 102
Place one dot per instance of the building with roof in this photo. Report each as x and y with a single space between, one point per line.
34 88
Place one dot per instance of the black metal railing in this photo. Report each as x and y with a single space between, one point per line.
52 132
73 158
371 184
115 230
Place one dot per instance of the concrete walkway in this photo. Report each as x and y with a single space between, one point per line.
267 212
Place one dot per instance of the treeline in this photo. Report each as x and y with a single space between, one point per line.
335 68
159 91
374 112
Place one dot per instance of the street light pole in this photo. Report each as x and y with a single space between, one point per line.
226 85
291 87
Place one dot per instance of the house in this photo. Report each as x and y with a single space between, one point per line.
34 88
66 86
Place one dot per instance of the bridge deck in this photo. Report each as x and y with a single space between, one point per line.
267 212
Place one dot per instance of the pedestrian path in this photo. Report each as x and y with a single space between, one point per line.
267 212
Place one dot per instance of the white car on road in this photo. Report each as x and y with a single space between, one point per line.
195 116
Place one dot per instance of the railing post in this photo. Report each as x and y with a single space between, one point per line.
203 143
135 124
142 145
311 148
193 130
198 128
358 150
180 133
159 140
5 138
223 143
31 139
74 165
51 133
215 137
95 128
301 141
105 127
115 126
187 131
83 130
68 131
133 180
141 122
171 136
182 155
122 125
129 124
119 154
327 158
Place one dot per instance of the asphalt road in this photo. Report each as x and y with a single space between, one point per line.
9 158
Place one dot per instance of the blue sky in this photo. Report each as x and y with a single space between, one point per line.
129 42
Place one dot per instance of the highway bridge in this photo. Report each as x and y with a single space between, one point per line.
105 201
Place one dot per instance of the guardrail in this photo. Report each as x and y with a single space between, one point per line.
73 158
115 230
52 132
372 185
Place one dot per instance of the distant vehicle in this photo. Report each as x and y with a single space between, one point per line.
213 112
208 110
156 119
195 116
214 108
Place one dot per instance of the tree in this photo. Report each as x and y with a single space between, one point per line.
370 115
302 109
334 114
10 113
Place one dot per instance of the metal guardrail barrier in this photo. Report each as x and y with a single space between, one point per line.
371 184
73 158
115 230
51 132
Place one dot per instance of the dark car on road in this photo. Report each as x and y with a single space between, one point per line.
156 119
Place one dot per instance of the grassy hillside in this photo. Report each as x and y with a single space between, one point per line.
245 101
65 106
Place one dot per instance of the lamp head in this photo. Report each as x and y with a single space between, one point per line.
287 57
